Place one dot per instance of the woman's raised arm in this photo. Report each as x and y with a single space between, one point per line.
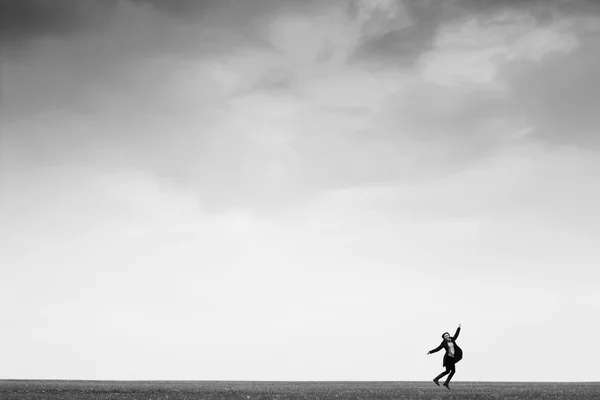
457 333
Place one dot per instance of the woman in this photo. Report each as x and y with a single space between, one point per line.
453 355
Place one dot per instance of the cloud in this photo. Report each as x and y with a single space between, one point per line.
180 8
25 20
31 19
560 96
124 98
195 100
397 33
482 86
64 65
21 20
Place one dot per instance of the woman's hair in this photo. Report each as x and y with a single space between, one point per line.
444 334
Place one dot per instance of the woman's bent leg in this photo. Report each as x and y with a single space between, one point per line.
446 372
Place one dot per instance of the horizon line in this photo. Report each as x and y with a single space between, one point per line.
264 381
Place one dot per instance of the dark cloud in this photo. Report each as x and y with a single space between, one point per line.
166 24
136 44
401 47
537 7
181 7
21 20
542 10
398 47
132 40
25 19
560 96
186 8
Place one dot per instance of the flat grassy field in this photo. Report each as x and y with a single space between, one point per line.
173 390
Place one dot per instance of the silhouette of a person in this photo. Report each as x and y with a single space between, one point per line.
453 355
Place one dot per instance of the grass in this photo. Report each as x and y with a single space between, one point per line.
173 390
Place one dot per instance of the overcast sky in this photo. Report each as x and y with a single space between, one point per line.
299 189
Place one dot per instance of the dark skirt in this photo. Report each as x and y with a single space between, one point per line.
452 360
448 361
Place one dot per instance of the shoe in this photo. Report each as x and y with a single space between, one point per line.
436 382
447 386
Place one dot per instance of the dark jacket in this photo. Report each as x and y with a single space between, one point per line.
458 353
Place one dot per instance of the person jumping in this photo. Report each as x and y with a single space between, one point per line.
453 355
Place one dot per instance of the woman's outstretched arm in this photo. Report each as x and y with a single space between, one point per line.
457 333
436 349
